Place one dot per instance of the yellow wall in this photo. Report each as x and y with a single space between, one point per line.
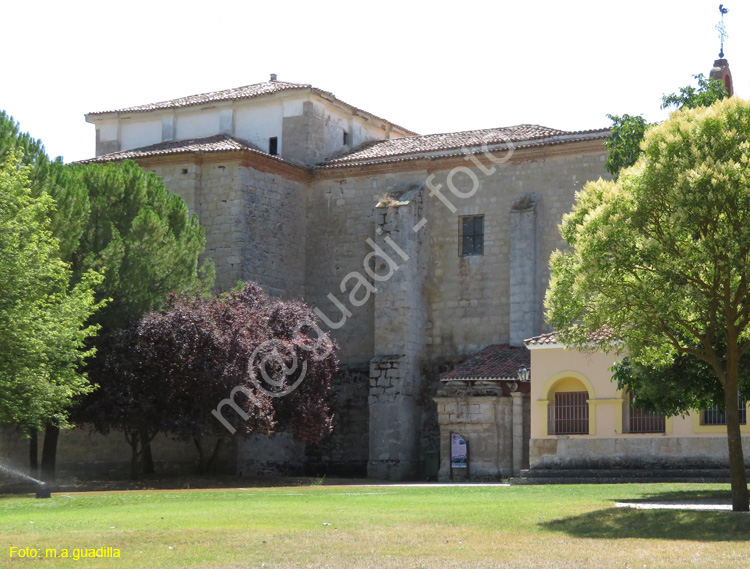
555 368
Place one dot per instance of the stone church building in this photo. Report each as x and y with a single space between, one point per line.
426 256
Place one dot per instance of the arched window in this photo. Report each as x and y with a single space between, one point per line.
568 409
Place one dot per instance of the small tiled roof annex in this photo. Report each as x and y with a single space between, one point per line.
441 145
217 143
240 93
542 340
603 333
497 361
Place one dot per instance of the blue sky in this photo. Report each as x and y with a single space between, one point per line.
428 66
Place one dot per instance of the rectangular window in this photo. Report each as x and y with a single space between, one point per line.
273 146
640 421
716 414
570 414
471 229
346 138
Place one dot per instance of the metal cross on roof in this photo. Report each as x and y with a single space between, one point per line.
722 29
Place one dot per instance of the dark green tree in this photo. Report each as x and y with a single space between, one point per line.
140 236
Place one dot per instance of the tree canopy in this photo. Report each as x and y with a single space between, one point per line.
166 372
624 144
661 256
43 319
138 235
118 221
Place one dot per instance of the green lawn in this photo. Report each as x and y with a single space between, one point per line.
378 527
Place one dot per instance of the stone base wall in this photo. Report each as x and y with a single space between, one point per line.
270 455
647 452
85 454
394 446
345 451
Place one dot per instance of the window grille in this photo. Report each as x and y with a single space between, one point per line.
716 414
570 414
641 421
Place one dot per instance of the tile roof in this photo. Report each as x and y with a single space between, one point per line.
241 93
603 333
542 340
246 92
441 145
216 143
497 361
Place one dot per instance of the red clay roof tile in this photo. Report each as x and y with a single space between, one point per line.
497 361
434 146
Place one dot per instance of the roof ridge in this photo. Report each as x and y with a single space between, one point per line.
200 98
197 145
238 93
402 148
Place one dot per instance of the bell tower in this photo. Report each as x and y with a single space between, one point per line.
720 70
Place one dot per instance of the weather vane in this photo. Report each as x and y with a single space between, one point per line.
722 29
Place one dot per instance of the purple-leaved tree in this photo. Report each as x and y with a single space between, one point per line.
170 370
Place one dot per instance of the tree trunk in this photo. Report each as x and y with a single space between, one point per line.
49 452
33 453
133 440
148 459
211 466
738 477
201 456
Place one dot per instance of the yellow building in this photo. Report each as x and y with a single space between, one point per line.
581 420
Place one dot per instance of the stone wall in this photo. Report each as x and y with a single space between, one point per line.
255 222
273 245
84 454
632 452
341 219
399 267
275 455
438 305
345 452
470 297
467 299
304 135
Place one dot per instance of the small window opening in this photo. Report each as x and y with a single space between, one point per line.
184 170
472 235
273 146
346 138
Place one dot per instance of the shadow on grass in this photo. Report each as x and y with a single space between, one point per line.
684 497
691 525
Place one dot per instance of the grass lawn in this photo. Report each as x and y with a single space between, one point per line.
378 526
